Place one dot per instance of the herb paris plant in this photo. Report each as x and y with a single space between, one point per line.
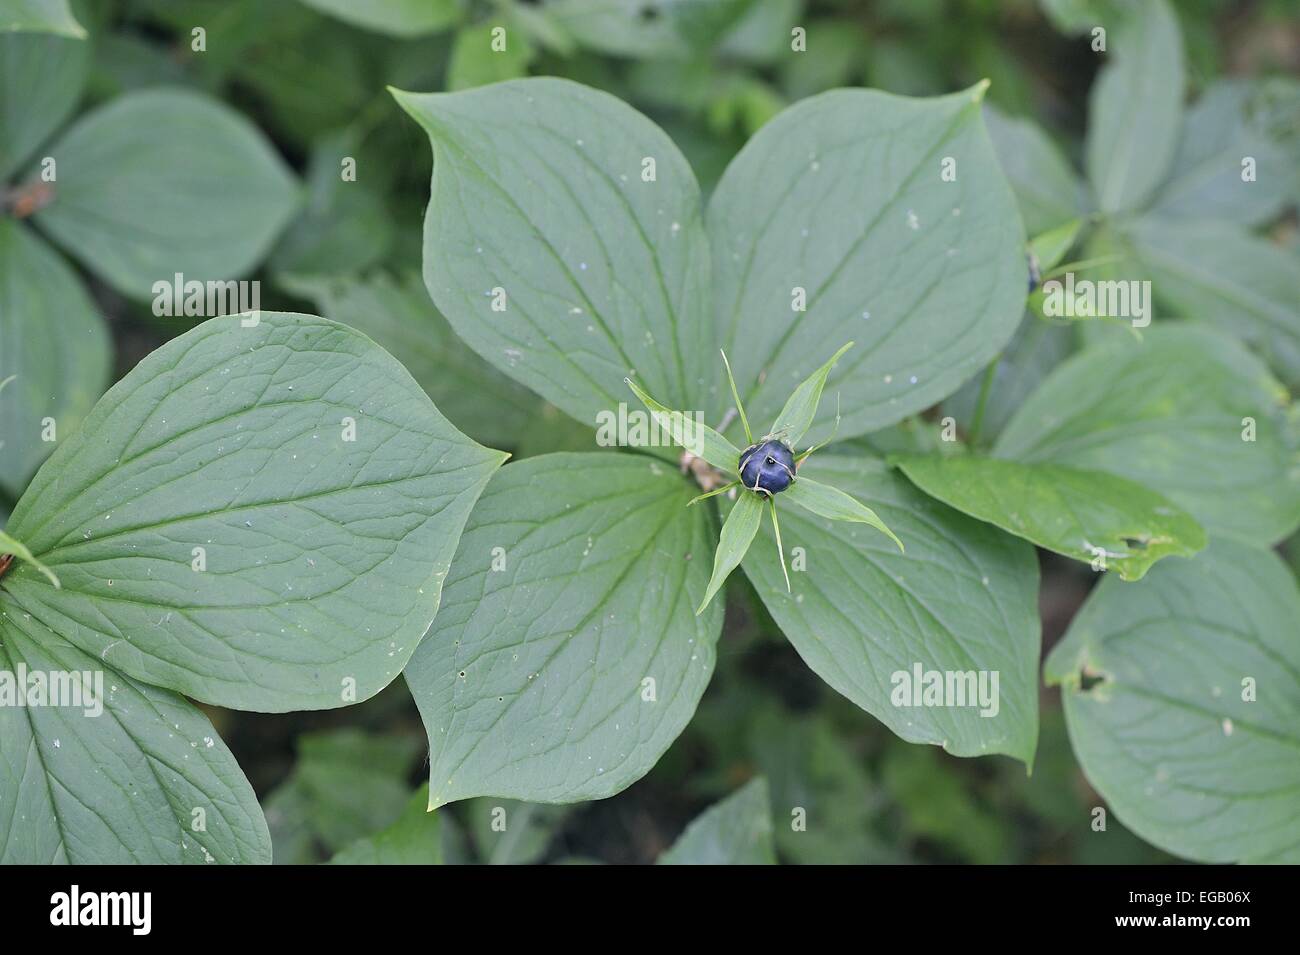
564 242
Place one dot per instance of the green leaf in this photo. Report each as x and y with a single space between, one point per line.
55 354
396 312
1037 348
415 838
9 547
927 275
735 396
509 832
1226 125
400 18
801 407
1046 187
345 786
119 779
811 766
963 598
136 209
833 504
671 28
538 192
736 831
301 468
1218 273
41 16
737 534
1049 247
41 79
691 434
1181 696
937 804
1102 519
1170 412
474 62
344 226
568 606
1136 108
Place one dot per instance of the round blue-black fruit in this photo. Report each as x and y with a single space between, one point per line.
768 466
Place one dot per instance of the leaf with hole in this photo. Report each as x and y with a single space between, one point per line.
1181 695
1102 519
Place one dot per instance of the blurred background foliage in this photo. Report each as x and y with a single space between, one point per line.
312 74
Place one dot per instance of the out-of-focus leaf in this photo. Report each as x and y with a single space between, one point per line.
41 80
138 209
55 353
1135 109
737 831
402 18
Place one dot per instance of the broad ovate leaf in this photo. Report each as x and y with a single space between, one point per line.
865 618
1099 518
41 79
1217 272
54 353
118 772
736 831
1186 412
1136 108
257 517
204 197
396 312
567 656
40 16
399 18
563 241
861 216
1182 696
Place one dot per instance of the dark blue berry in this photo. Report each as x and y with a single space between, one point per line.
768 466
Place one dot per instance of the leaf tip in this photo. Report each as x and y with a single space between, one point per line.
979 89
